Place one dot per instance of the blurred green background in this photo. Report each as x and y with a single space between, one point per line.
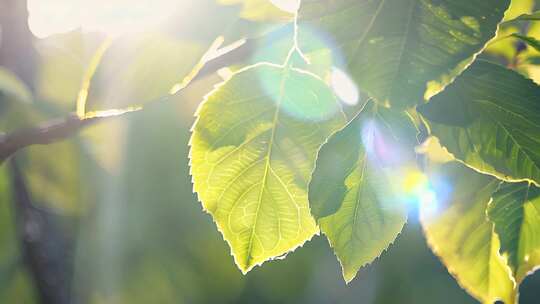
122 192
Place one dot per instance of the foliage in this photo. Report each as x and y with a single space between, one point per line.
358 114
253 149
417 60
463 237
352 192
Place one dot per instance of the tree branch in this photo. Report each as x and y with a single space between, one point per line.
60 129
41 135
63 128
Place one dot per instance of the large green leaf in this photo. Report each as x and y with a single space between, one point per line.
394 48
352 192
459 232
253 149
490 119
515 211
518 8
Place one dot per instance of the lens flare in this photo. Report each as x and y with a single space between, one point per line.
309 99
418 190
344 87
381 147
415 182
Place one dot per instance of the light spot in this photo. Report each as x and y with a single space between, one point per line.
418 190
344 87
414 182
289 6
427 197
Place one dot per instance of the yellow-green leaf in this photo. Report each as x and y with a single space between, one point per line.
458 231
515 211
253 149
533 42
353 192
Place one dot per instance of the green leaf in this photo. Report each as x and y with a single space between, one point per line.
490 119
13 87
394 48
531 41
530 17
458 231
352 191
253 149
63 59
146 66
526 17
518 8
515 212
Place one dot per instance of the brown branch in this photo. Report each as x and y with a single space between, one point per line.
47 133
60 129
63 128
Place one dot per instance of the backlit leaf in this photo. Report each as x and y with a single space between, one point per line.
530 17
490 119
353 190
458 231
253 149
531 41
394 48
515 211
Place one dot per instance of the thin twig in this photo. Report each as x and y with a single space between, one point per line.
63 128
41 135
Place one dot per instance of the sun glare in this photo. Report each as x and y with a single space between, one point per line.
110 17
289 6
418 190
344 87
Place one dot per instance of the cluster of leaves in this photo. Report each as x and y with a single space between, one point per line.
276 157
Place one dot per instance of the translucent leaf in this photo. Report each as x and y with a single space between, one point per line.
535 16
355 187
252 152
515 211
490 119
394 48
507 48
64 58
518 8
141 68
529 17
458 231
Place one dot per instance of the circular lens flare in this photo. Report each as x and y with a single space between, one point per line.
418 190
